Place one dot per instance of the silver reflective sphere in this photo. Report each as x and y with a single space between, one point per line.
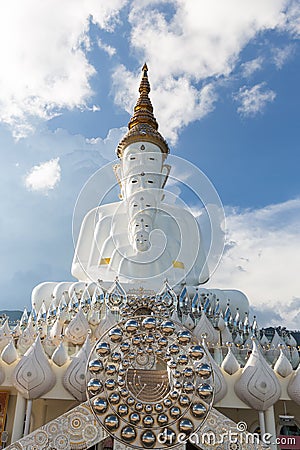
114 398
186 426
162 342
131 325
148 439
188 387
110 384
111 422
175 412
198 410
162 419
167 327
184 337
167 402
103 349
149 323
116 356
205 391
128 434
203 370
94 386
130 401
182 360
148 421
136 340
116 334
196 352
110 369
184 400
134 418
172 364
123 409
139 406
174 395
188 372
124 392
148 408
159 407
99 405
174 349
125 346
95 366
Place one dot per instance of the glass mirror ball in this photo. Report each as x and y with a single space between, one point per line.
149 383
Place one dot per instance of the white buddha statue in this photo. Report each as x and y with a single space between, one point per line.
141 239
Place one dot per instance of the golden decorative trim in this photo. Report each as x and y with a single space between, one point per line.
104 261
143 125
178 264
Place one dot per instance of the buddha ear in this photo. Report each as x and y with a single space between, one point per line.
117 171
166 168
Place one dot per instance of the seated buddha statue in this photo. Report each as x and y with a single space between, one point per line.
142 239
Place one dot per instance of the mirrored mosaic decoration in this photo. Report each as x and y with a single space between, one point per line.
147 382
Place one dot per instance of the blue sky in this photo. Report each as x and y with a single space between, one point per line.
225 90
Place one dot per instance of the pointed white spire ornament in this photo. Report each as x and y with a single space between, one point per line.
115 296
33 375
264 341
5 334
74 378
60 355
9 354
97 299
294 387
167 296
230 364
27 338
85 300
204 326
77 329
258 386
295 358
283 366
56 331
24 319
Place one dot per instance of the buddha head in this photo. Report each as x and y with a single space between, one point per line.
142 172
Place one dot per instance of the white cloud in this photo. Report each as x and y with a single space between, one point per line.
293 18
189 46
44 176
253 100
263 259
249 67
177 102
282 55
107 48
44 66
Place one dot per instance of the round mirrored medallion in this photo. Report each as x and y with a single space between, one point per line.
149 380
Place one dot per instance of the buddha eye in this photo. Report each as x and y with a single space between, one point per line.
135 205
132 157
133 181
151 159
150 181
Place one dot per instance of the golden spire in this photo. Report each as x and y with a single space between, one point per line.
143 125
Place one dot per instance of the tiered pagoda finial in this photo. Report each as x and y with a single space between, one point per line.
143 125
